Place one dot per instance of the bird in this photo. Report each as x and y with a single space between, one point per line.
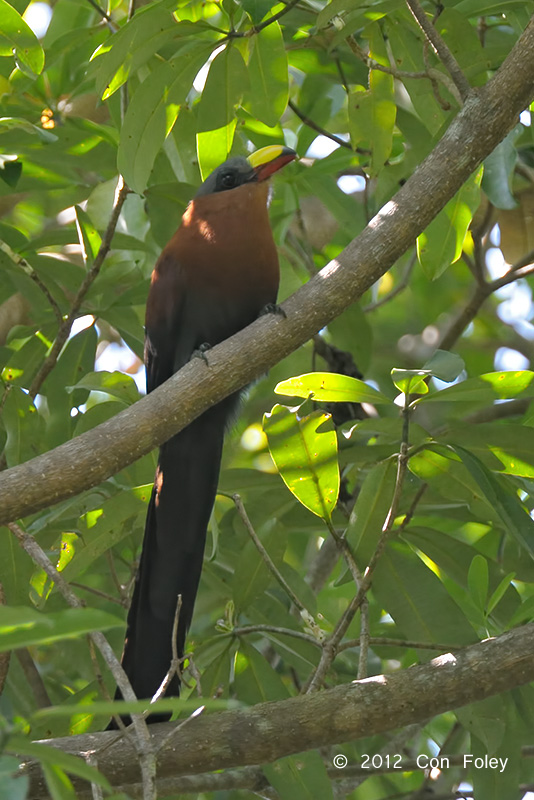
216 275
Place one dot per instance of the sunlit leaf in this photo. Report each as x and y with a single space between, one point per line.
18 39
304 450
330 387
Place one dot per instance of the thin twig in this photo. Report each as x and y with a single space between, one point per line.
317 128
275 17
174 667
111 25
521 269
442 50
247 629
33 678
98 593
123 594
345 549
28 270
372 64
365 640
182 724
514 274
431 74
66 325
257 28
411 511
374 641
269 563
409 644
143 742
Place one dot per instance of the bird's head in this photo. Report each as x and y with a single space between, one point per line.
237 171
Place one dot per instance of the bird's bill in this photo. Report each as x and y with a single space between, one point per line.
268 160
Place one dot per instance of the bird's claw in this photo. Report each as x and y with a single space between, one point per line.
273 308
201 351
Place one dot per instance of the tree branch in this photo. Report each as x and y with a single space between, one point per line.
443 52
487 116
269 731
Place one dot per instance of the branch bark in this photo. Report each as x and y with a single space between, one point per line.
269 731
487 116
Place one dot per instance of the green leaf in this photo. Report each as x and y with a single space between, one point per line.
453 558
451 478
76 360
445 365
372 113
305 457
20 627
499 592
251 574
152 112
17 38
104 527
499 171
18 123
10 170
329 387
485 389
416 599
369 514
224 87
371 121
525 613
24 427
88 236
300 777
213 147
441 243
486 719
410 381
494 784
478 581
255 680
406 43
134 44
508 448
257 9
506 504
268 73
116 384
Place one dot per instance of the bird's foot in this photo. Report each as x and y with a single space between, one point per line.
201 351
273 308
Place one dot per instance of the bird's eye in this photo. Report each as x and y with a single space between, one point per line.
228 180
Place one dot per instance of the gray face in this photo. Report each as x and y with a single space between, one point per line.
234 172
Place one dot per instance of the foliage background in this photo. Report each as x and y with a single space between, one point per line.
117 95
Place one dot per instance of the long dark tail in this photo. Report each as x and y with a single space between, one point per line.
173 548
